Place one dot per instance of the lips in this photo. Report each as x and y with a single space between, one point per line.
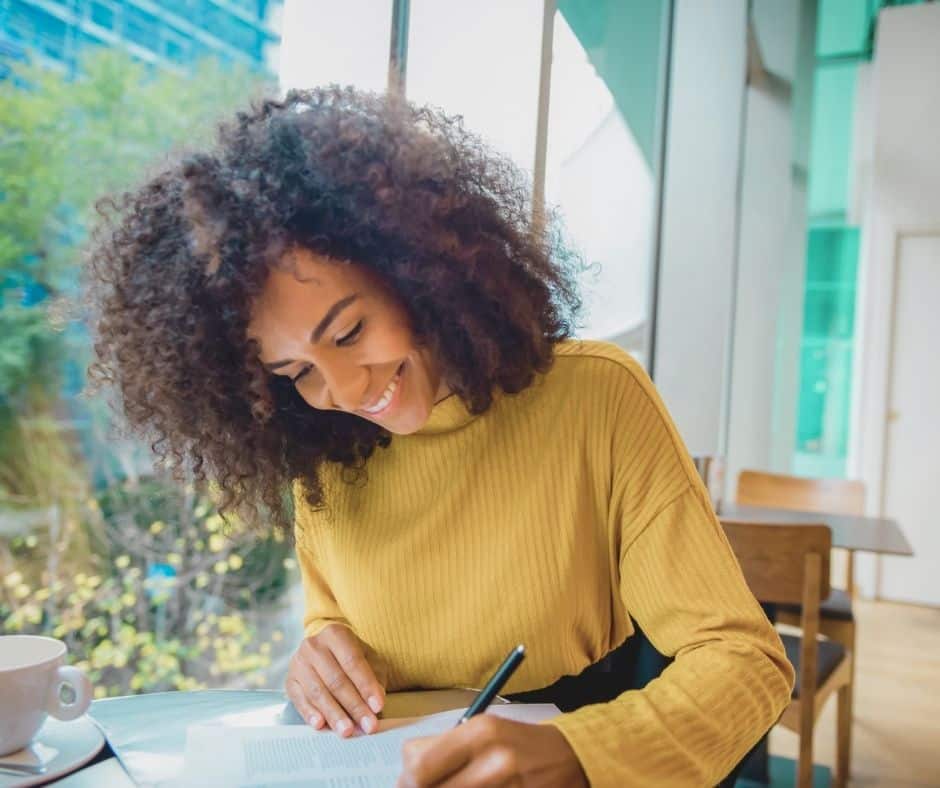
387 397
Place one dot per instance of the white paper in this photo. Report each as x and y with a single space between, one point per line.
297 755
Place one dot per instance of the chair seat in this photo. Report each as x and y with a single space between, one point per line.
838 605
828 656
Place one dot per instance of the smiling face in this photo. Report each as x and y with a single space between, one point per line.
346 341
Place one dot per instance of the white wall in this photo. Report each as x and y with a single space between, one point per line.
904 198
699 217
764 385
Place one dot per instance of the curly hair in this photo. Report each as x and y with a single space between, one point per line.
175 265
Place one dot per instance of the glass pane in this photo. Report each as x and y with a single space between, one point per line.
827 351
830 176
98 547
601 158
480 60
842 27
325 41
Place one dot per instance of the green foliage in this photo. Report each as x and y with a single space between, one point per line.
29 354
134 629
66 142
63 143
82 575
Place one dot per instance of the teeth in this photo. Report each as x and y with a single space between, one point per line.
386 398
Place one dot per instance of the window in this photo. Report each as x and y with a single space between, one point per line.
102 14
602 156
96 547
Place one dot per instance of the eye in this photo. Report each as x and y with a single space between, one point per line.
351 336
300 374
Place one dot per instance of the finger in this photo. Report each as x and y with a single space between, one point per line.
319 696
429 760
434 759
352 660
496 766
295 692
343 690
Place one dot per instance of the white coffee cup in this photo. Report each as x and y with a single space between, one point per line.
34 682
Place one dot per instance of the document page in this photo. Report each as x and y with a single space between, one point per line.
295 755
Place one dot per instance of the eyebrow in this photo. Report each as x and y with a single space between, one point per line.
315 336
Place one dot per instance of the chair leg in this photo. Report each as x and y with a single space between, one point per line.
804 768
844 735
844 633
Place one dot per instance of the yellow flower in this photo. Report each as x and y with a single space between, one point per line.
157 526
102 692
235 561
13 579
220 568
202 580
21 591
128 599
289 563
174 559
122 561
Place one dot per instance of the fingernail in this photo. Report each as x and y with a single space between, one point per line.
343 726
315 719
367 724
375 704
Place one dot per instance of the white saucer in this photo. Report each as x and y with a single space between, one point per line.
77 743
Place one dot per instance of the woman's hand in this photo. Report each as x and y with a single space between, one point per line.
329 681
491 751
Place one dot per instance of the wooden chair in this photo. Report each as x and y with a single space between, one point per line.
790 564
839 496
779 491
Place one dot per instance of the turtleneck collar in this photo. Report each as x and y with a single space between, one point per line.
446 416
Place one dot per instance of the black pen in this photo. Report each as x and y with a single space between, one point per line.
495 684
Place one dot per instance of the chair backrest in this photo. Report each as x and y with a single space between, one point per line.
787 564
777 490
773 558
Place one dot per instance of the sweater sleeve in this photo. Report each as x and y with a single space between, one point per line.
320 606
679 580
730 680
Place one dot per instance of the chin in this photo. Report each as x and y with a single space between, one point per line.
408 425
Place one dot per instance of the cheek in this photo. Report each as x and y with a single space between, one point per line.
395 341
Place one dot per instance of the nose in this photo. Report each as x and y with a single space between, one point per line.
346 384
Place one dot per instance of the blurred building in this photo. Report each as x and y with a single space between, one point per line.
169 33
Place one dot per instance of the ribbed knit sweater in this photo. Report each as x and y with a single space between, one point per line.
552 519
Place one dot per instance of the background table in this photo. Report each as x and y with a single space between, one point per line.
850 532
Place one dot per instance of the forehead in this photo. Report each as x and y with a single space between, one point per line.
299 291
305 280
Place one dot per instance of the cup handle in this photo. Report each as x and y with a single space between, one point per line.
72 678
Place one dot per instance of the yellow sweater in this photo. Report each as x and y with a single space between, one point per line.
550 520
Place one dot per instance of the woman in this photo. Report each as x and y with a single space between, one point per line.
347 295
